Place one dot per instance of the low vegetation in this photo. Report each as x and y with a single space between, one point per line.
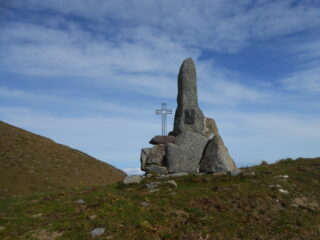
279 201
32 163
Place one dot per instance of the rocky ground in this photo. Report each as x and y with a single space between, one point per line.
278 201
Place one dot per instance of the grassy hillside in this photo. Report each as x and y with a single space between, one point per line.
32 163
281 201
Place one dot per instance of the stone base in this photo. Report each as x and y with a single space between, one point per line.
185 155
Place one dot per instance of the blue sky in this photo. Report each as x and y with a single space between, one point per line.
90 74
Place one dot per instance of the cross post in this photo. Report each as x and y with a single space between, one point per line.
163 112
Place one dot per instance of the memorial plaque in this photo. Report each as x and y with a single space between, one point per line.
189 116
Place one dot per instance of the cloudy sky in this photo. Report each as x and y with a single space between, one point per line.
90 74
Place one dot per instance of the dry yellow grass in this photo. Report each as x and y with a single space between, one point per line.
32 163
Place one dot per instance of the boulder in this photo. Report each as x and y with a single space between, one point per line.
132 179
211 128
186 153
162 140
216 157
155 169
143 157
235 172
156 155
188 116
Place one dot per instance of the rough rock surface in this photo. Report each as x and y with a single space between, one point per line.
156 155
132 179
188 116
97 232
172 183
211 128
143 157
156 169
216 157
185 155
162 140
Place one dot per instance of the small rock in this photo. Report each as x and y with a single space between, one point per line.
178 174
294 205
37 215
173 183
236 172
283 191
276 186
145 204
284 176
97 232
92 217
251 173
154 190
152 185
306 203
217 174
2 228
80 201
132 179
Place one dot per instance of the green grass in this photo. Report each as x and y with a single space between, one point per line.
202 207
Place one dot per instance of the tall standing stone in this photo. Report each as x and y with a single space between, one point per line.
189 128
188 116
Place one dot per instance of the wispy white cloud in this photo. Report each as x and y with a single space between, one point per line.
218 25
307 81
137 47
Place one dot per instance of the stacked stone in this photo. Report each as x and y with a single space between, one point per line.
195 144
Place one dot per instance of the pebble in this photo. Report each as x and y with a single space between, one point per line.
251 173
173 183
37 215
154 190
80 201
283 191
92 217
276 186
97 232
145 204
284 176
152 185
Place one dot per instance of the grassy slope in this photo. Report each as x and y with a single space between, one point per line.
203 207
32 163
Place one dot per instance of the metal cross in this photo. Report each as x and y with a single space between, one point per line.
164 112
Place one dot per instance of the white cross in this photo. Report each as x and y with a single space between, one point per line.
164 112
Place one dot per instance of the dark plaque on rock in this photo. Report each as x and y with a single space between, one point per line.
189 116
